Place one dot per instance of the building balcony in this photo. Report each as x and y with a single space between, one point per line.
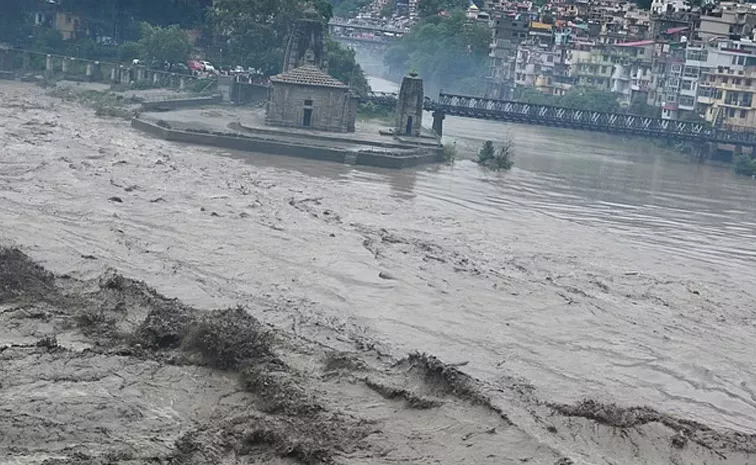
739 104
706 100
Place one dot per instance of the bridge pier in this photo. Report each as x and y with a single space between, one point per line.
438 122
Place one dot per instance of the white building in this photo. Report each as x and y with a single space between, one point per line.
659 7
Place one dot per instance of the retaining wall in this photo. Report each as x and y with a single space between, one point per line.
173 104
247 144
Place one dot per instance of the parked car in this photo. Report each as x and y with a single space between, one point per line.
208 67
179 68
238 70
196 66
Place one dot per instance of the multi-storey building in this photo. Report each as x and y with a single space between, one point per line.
509 31
719 81
728 20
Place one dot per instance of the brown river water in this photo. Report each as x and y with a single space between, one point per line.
600 266
650 223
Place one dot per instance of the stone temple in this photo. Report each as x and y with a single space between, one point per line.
305 95
308 97
308 113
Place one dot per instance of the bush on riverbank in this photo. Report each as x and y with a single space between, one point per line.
450 153
744 165
370 110
497 159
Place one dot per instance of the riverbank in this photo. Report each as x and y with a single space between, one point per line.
537 310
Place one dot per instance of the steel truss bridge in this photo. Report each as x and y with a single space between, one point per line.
365 27
547 115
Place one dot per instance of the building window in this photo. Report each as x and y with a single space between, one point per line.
741 60
68 19
676 69
698 55
691 71
742 114
686 85
687 101
731 112
308 103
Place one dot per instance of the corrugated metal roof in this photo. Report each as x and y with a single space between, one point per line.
308 75
541 26
675 30
639 43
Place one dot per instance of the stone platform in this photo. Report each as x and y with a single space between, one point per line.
244 129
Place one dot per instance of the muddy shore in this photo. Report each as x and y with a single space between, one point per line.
314 367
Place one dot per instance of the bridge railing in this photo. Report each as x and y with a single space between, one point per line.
508 110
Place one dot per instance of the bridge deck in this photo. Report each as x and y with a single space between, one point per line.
547 115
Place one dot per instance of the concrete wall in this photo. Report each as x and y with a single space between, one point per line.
293 150
330 107
243 93
172 104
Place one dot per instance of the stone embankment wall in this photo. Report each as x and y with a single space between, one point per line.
260 145
176 103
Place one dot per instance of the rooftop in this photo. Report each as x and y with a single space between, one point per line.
309 75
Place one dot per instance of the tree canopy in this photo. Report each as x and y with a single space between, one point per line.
348 8
343 66
450 53
426 8
586 98
255 33
15 21
165 44
251 33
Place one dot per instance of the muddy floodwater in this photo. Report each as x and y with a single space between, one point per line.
599 268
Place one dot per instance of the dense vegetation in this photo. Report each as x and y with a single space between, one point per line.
426 8
586 98
497 159
250 33
449 52
745 165
348 8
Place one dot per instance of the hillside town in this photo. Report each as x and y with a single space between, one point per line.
684 61
689 62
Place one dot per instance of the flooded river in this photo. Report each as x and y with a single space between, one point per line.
599 267
649 263
648 195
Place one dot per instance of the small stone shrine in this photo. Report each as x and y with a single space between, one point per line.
409 107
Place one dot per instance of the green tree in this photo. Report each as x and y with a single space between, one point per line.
127 51
388 9
486 152
343 66
253 33
448 52
500 159
588 98
744 165
348 8
426 8
325 9
16 21
170 44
